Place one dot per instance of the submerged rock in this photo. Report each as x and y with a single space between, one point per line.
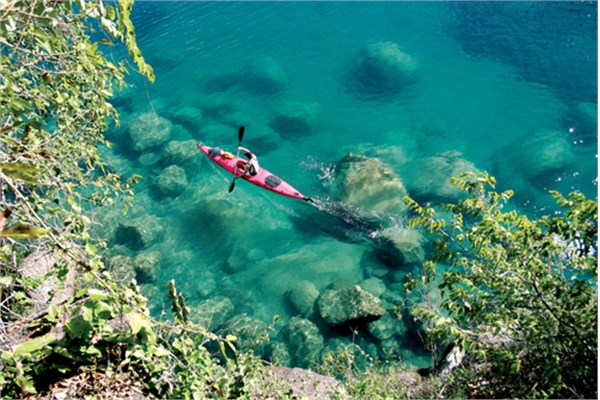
369 184
304 341
295 119
349 305
302 297
182 153
121 267
383 68
263 76
248 331
171 181
386 327
212 313
543 153
148 130
408 243
429 177
139 233
146 266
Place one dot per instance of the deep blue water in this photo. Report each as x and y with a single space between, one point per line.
510 86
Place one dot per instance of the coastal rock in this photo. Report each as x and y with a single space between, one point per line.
212 313
295 119
369 184
303 384
148 130
51 290
302 297
383 68
146 265
139 233
349 305
429 177
304 341
171 181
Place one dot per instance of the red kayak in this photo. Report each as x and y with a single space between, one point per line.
264 178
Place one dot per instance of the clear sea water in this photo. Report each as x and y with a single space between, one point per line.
492 78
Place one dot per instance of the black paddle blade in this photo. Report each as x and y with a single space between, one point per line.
241 135
232 187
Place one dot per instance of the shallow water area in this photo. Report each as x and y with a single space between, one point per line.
414 90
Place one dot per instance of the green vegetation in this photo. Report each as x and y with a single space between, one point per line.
518 295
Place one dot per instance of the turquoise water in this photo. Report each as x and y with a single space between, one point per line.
508 87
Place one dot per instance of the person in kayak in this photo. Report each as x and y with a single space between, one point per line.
250 167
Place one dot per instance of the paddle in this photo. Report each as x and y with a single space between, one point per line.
240 137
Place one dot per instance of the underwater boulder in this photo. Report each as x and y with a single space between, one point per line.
278 353
542 153
338 346
302 297
375 286
263 76
304 341
369 184
146 265
183 153
139 233
295 119
171 181
350 305
383 68
249 333
408 243
212 313
148 130
386 327
121 267
429 177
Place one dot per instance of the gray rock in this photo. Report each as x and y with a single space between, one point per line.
40 267
348 305
304 384
171 181
302 297
369 184
212 313
408 242
304 341
148 130
279 354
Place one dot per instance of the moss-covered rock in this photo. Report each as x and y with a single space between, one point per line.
148 130
349 305
212 313
302 297
171 181
146 265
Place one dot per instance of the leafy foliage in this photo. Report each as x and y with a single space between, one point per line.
519 295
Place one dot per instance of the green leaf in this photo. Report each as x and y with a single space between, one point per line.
23 231
35 344
79 328
22 171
